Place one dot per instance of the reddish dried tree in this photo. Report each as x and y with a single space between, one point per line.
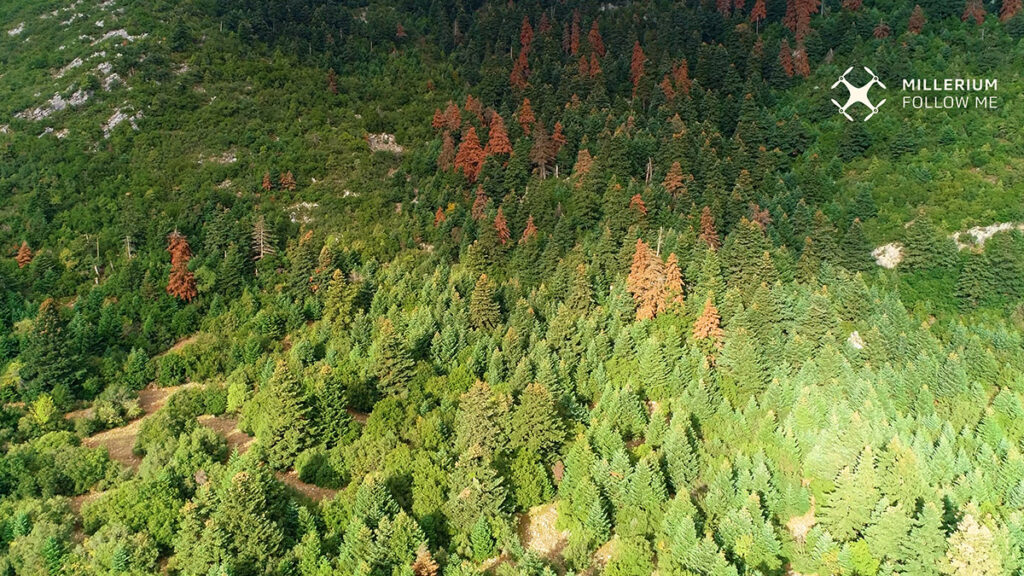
424 564
475 107
557 140
501 227
1009 9
525 116
479 204
446 158
853 5
525 35
182 283
540 153
681 77
584 67
667 89
760 216
574 35
786 57
709 326
584 163
646 281
673 284
917 20
595 66
332 81
595 40
267 184
882 31
470 157
438 121
798 16
708 233
800 64
636 203
439 217
673 178
288 181
452 116
544 26
520 70
530 231
724 7
974 10
497 138
24 257
758 14
636 66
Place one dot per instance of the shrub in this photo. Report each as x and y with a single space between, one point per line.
316 467
170 370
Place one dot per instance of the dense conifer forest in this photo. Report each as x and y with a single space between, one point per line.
406 288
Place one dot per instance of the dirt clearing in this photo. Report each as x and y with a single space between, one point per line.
227 428
120 442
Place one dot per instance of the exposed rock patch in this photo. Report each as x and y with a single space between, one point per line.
538 533
855 341
888 256
119 33
383 143
119 116
60 134
68 67
302 213
229 157
977 236
55 104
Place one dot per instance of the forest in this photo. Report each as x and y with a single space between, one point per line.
535 288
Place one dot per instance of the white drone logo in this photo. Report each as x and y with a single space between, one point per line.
858 94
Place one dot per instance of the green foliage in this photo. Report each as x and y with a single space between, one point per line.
242 516
393 366
436 370
280 417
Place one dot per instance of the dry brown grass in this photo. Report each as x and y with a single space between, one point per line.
799 526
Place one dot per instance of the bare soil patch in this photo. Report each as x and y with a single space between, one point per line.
799 526
604 554
77 414
76 502
537 531
120 442
182 343
311 491
227 427
360 417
